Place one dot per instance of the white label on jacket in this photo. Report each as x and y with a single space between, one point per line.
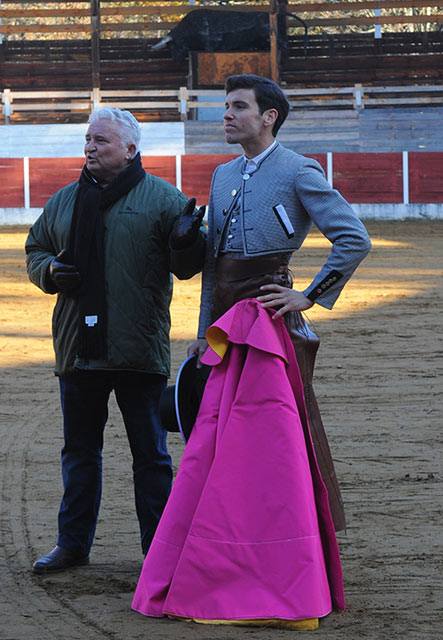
91 320
283 219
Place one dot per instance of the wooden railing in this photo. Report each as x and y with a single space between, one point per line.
184 101
361 97
155 20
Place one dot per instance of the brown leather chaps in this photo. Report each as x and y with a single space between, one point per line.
237 279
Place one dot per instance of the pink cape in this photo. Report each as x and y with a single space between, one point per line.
247 532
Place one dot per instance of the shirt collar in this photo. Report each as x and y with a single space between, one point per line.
251 164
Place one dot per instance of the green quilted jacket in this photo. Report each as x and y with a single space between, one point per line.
138 264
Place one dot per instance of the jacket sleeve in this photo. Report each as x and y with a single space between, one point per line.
208 276
185 263
335 218
40 252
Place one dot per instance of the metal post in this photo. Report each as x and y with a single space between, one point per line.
330 168
183 102
405 167
377 27
95 43
95 98
178 172
358 97
7 109
26 188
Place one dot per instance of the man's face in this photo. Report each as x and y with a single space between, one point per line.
243 122
105 155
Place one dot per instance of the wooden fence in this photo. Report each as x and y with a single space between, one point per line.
185 102
130 63
111 50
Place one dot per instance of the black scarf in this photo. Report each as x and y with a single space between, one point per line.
87 252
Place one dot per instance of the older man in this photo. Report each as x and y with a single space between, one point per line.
107 245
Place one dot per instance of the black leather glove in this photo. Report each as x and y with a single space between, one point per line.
65 276
187 225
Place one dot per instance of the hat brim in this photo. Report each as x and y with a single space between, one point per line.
179 404
181 387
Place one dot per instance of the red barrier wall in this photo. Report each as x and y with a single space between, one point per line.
360 177
425 176
11 182
197 174
321 159
48 175
369 177
161 166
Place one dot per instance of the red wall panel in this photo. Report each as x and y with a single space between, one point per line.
360 177
197 173
11 182
369 177
321 159
48 175
425 176
161 166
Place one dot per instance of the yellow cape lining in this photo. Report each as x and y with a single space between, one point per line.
309 624
217 340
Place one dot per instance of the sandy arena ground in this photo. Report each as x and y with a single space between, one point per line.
379 384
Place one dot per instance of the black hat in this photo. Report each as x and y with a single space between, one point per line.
179 404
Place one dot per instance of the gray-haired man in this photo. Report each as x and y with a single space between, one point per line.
107 245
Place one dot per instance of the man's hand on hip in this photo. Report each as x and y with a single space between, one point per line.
286 299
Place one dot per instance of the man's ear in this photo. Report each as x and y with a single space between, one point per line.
269 117
131 148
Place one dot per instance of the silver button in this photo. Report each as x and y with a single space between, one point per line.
246 176
230 236
234 220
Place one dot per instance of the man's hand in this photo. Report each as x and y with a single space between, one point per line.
286 299
198 348
65 276
187 225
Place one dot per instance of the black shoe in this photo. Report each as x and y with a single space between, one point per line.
58 560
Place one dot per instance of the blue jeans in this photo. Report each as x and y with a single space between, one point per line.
84 399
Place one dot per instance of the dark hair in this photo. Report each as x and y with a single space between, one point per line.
267 94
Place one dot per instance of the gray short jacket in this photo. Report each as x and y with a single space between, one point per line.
275 208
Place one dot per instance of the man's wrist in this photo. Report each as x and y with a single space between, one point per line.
180 243
48 281
327 282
